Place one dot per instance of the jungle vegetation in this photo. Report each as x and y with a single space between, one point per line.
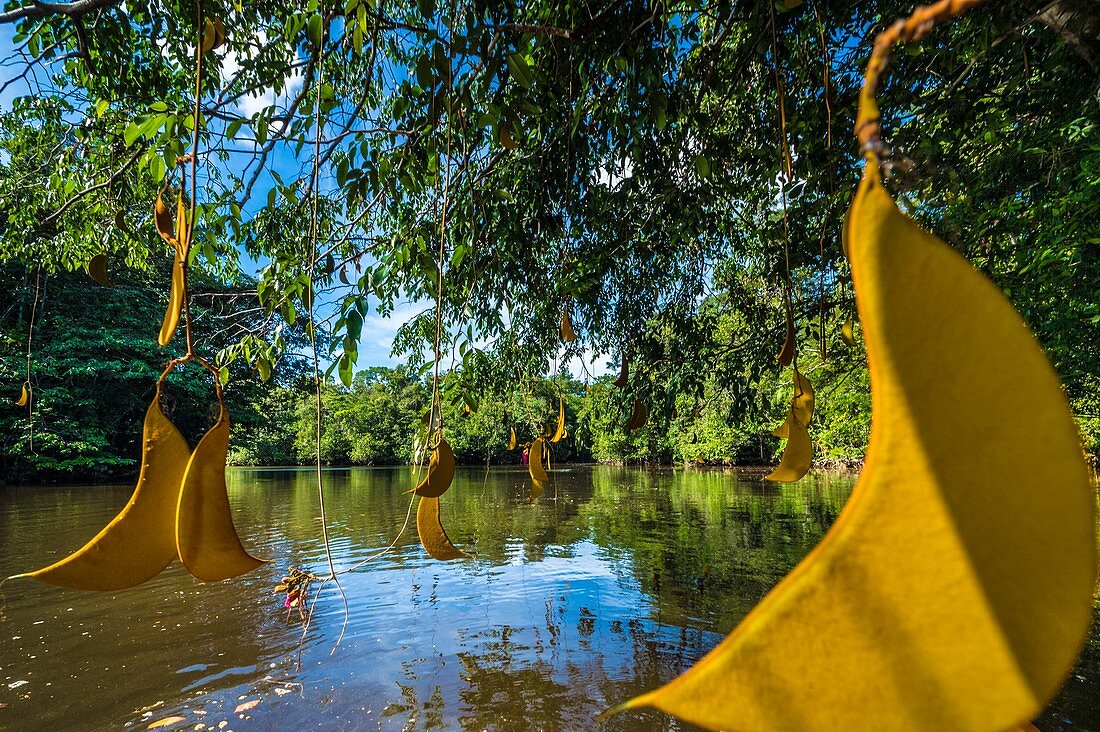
663 172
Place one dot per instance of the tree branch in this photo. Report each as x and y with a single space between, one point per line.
91 189
41 10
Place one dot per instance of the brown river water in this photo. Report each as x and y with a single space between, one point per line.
574 603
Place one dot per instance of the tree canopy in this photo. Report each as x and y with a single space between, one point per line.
662 171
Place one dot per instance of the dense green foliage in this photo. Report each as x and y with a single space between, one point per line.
94 367
623 161
95 364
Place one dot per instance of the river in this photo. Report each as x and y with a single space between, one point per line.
610 584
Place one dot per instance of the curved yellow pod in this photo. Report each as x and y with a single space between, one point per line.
560 432
955 589
798 453
847 333
511 438
539 476
566 328
24 395
638 417
97 270
175 302
206 539
802 402
180 241
441 472
162 217
138 543
432 536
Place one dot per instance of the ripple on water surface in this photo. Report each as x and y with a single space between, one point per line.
612 583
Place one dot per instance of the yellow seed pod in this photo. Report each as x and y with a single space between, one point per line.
441 472
847 333
432 535
539 476
176 297
209 35
797 454
566 328
163 219
955 589
139 542
97 270
802 401
560 433
206 538
24 395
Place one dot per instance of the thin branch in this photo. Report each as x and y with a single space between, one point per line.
42 10
91 189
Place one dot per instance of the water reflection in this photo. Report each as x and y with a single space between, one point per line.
612 583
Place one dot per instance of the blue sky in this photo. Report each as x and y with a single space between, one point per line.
378 331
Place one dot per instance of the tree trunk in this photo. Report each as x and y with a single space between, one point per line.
1078 22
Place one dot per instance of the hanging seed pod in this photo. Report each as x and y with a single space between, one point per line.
140 541
624 374
566 328
847 333
206 538
432 534
971 550
441 472
539 476
97 270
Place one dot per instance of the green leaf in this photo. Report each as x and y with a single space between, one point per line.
314 29
263 366
519 69
702 165
344 370
131 133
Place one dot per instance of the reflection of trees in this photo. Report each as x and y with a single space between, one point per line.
705 545
517 679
